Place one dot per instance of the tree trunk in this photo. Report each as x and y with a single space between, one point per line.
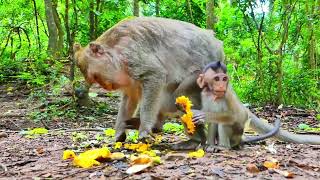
67 26
37 24
136 8
157 8
279 78
57 21
312 43
190 10
91 20
52 28
96 19
210 14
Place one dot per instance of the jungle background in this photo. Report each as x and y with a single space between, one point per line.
272 52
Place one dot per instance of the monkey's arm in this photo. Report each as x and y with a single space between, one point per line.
200 117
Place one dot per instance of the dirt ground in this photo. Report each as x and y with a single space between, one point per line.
41 157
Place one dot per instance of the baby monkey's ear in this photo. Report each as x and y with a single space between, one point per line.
200 81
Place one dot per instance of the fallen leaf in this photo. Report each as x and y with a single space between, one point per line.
39 150
3 135
252 168
271 148
284 173
141 159
137 168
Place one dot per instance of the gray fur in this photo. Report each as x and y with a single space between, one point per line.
159 52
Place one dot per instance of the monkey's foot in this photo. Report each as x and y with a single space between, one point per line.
186 145
146 137
121 136
214 149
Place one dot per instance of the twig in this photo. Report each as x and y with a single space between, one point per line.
44 124
11 115
80 129
22 163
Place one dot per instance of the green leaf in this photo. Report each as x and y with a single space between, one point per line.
173 128
91 94
303 126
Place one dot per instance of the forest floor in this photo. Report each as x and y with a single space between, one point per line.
41 157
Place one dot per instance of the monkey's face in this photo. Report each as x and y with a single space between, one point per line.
218 84
96 65
214 83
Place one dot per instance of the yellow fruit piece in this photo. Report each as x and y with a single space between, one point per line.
68 154
137 147
150 153
88 158
85 162
271 165
110 132
184 102
117 145
117 156
186 118
196 154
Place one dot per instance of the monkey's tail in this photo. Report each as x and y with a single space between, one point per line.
283 135
271 133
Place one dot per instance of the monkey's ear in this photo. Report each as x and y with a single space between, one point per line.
96 49
200 81
76 47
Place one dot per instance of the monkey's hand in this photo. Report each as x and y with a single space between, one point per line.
198 117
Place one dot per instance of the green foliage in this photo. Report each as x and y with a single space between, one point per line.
173 128
133 136
254 72
303 126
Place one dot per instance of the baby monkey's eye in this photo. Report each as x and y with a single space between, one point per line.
225 78
216 78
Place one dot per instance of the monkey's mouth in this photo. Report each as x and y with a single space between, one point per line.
219 94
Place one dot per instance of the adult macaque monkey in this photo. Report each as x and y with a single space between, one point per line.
151 61
226 115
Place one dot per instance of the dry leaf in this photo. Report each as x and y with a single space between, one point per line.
284 173
137 168
141 159
252 168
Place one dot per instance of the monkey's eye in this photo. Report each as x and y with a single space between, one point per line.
225 78
216 78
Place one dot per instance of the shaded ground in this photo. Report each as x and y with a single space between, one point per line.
25 158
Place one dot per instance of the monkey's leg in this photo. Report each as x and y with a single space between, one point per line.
127 107
224 132
212 133
212 137
149 107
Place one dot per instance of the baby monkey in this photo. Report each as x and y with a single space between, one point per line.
222 110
